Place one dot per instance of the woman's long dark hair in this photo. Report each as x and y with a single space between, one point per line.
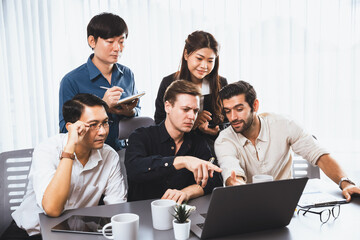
194 42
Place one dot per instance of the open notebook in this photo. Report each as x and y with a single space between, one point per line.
314 197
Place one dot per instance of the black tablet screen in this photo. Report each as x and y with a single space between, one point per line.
82 224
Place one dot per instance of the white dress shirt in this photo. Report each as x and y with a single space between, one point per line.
271 154
205 90
100 175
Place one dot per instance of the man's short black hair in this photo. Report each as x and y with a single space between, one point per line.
73 108
106 25
237 88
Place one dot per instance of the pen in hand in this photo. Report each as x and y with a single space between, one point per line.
106 88
211 160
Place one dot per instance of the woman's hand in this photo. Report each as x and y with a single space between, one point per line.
211 131
204 116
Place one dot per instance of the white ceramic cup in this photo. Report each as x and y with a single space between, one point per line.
125 226
262 178
162 211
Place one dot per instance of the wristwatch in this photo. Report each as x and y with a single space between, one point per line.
67 155
346 179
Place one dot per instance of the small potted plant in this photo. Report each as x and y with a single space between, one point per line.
182 223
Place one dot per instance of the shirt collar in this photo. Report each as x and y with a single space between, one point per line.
264 130
117 67
164 135
243 140
205 87
94 72
94 159
263 134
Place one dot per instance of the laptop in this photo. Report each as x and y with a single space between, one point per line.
248 208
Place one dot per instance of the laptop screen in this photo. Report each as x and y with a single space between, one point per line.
251 207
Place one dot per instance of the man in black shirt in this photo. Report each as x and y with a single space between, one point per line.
169 160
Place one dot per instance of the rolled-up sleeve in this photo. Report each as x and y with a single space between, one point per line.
43 169
227 155
304 144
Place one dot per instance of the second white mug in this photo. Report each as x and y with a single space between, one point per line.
262 178
162 211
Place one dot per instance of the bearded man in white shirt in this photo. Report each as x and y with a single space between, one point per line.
261 143
71 170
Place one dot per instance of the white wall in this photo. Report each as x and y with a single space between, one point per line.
303 58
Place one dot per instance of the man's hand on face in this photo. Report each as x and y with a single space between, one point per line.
112 96
176 195
200 168
77 132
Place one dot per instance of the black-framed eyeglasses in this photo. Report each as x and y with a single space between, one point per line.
97 126
324 214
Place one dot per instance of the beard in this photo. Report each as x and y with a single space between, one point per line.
246 123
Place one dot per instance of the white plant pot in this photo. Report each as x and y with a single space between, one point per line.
181 230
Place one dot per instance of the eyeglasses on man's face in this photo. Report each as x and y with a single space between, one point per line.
97 126
324 214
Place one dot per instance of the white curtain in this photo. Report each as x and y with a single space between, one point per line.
303 58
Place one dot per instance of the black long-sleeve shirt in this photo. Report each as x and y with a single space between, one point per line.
149 161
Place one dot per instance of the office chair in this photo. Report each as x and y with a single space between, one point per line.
302 168
14 171
126 127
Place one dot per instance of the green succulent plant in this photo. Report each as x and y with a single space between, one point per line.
181 214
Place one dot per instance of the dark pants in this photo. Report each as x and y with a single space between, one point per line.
13 232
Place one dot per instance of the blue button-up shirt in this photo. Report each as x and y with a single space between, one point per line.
87 79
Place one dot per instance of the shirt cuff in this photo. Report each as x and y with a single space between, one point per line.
166 162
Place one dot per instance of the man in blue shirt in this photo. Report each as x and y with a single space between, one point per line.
102 75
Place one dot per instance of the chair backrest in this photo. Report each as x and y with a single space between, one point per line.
126 127
302 168
14 171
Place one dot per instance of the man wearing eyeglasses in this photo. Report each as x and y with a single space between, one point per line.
72 170
261 144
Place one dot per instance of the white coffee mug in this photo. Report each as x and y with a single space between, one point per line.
162 211
125 226
262 178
